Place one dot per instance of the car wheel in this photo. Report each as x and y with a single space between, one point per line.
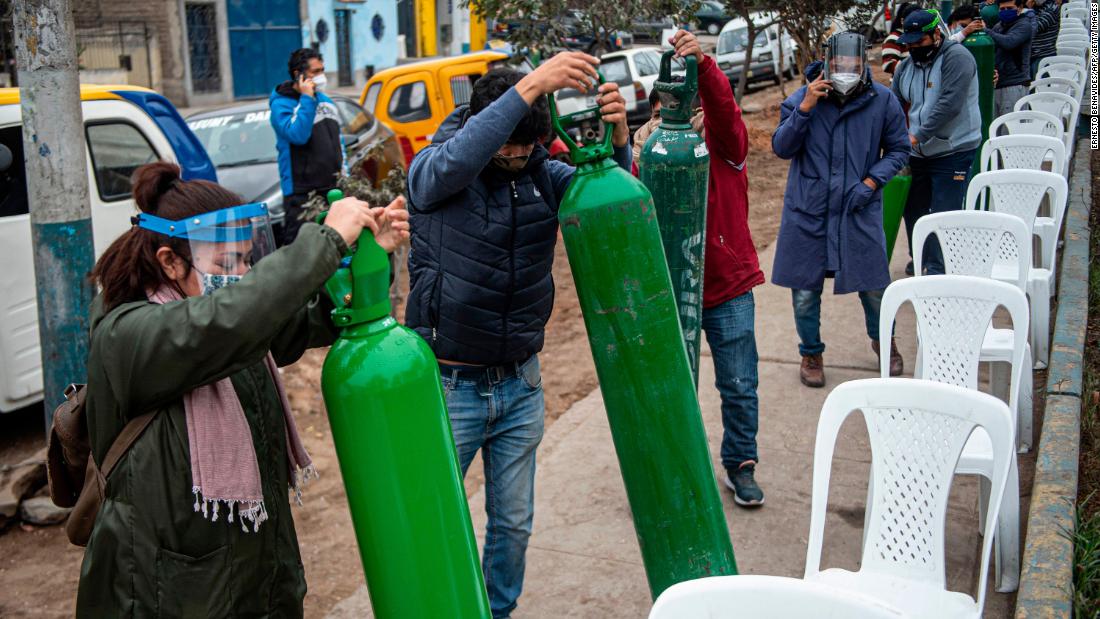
712 29
597 50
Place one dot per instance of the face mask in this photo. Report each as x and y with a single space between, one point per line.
923 54
211 282
319 81
844 82
1007 15
511 164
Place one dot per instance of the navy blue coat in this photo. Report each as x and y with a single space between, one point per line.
481 289
832 222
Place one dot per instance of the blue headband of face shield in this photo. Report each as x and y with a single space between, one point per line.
210 227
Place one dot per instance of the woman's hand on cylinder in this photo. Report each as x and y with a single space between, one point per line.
393 224
349 216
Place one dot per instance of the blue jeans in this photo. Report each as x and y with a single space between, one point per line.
503 417
939 184
807 318
731 333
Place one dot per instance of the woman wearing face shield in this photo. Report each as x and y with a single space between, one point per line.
845 136
194 315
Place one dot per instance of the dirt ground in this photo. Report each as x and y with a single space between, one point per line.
39 569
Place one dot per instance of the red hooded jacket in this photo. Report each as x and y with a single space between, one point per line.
731 267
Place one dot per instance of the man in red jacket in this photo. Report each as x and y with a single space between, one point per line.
730 271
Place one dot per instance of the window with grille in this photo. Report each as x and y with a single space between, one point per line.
202 43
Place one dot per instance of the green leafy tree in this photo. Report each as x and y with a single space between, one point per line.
810 23
380 193
537 25
756 22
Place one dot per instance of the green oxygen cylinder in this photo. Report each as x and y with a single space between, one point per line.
609 226
675 167
393 439
981 46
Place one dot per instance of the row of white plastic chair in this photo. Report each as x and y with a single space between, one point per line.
925 430
918 430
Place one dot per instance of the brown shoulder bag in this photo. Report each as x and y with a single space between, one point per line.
75 480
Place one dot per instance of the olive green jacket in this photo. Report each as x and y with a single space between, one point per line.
150 553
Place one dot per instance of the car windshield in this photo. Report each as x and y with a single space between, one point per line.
615 70
736 40
237 139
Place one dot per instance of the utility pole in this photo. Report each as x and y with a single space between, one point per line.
57 188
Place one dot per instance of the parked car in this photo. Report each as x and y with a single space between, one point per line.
711 16
413 99
730 53
125 127
577 36
643 65
580 37
650 28
615 68
241 143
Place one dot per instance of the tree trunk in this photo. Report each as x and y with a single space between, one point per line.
57 189
743 82
782 66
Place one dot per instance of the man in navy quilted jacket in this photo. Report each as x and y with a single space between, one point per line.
483 201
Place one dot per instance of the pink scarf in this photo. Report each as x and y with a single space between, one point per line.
223 459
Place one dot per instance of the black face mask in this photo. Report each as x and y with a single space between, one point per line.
925 53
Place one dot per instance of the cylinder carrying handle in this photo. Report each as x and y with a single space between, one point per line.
590 152
676 97
360 286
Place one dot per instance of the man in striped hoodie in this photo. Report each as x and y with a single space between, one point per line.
1048 20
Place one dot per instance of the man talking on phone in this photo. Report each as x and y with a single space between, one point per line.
307 136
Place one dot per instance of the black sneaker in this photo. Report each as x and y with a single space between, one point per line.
745 491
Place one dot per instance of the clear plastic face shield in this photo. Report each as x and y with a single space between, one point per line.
845 61
224 244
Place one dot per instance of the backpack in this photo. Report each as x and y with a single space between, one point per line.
75 480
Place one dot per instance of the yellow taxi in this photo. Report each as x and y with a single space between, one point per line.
413 99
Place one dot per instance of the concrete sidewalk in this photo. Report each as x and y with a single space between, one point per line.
584 560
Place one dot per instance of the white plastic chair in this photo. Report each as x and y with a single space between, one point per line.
1072 48
954 313
777 597
1028 152
1070 39
1049 60
1023 152
1063 85
917 430
975 243
1063 107
1079 13
1069 71
1030 122
1020 193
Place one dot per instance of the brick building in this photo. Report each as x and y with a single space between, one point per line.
177 47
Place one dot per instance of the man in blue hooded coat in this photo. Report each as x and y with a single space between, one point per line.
846 138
